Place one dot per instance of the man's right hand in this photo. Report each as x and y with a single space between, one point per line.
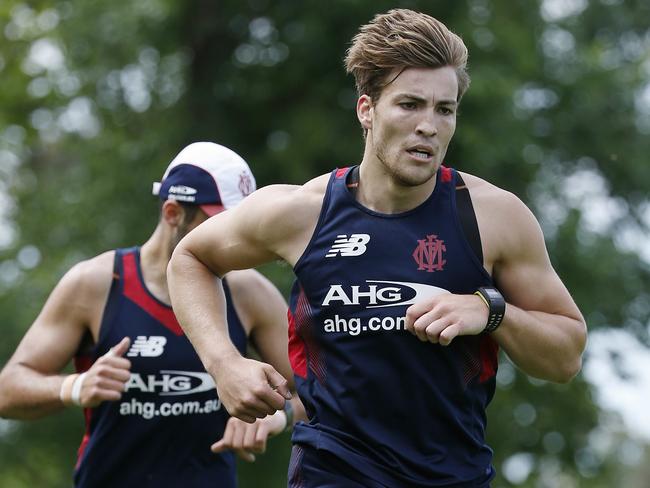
105 379
250 389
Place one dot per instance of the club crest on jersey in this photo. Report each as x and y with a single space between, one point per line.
428 254
355 245
147 347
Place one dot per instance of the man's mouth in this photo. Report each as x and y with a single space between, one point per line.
421 153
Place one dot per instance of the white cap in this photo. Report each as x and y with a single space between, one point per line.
206 174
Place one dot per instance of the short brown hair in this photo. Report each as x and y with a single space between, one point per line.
402 38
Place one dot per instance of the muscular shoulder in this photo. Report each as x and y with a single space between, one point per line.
485 193
281 200
506 224
89 281
285 216
78 299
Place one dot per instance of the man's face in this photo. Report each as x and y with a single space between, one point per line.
412 123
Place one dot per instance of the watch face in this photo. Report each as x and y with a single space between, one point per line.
492 293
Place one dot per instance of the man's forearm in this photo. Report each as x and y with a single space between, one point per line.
543 345
27 395
199 305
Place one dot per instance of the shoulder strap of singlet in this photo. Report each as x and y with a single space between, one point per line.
117 267
114 295
467 217
464 207
87 344
353 180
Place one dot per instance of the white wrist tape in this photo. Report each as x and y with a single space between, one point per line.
75 395
66 386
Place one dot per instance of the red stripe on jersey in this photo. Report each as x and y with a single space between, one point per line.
489 351
297 356
82 364
445 174
85 439
341 172
135 291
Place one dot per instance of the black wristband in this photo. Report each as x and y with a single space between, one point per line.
288 413
496 306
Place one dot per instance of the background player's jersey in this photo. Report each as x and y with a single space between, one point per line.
401 411
159 434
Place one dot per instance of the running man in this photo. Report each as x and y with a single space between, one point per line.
152 413
410 275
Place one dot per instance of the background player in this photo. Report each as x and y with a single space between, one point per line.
151 409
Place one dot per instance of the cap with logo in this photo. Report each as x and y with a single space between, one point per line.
206 174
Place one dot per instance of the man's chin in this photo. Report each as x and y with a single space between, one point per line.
410 177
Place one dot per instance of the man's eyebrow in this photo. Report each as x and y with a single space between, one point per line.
448 101
419 98
411 96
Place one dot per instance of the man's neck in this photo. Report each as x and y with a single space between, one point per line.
154 257
378 190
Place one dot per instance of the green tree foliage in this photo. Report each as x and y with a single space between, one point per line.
97 97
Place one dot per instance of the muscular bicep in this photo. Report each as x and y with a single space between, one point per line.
242 237
275 222
56 333
226 242
524 272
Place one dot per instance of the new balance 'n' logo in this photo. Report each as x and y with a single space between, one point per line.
148 347
355 245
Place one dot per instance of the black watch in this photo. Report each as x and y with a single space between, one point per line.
496 306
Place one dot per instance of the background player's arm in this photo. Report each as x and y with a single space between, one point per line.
243 237
265 310
30 383
543 331
269 333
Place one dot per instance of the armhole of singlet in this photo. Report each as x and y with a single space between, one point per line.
114 294
240 340
321 217
467 217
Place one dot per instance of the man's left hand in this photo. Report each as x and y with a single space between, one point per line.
441 318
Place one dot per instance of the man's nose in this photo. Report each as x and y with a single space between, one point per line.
427 125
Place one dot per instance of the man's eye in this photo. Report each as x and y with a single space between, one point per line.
408 105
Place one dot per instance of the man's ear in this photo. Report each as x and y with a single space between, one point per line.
365 111
172 213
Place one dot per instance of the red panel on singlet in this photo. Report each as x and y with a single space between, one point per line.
135 292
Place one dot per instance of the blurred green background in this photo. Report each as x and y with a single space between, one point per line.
96 97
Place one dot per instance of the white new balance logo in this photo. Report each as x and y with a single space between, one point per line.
355 245
147 347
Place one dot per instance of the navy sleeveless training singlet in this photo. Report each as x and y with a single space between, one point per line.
398 411
159 434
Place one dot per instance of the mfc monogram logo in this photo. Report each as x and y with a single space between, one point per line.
428 254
